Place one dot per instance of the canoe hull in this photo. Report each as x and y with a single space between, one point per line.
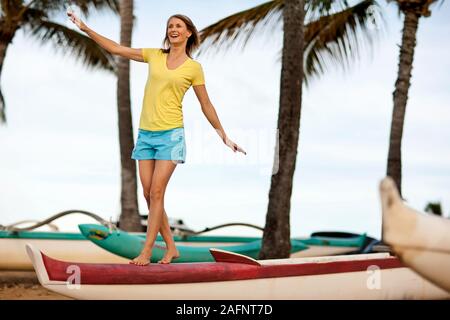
422 241
13 255
312 279
321 251
434 266
400 283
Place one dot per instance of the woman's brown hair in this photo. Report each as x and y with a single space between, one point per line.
192 42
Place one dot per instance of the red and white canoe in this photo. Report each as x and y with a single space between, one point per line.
421 241
233 276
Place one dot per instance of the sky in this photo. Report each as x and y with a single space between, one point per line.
60 151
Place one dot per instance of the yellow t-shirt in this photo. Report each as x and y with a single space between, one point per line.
165 89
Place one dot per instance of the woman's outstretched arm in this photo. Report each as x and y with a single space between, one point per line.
107 44
210 113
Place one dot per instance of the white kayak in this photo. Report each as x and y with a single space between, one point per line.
13 254
422 241
233 276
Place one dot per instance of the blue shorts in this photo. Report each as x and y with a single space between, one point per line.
161 145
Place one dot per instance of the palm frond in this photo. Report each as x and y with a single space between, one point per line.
239 26
32 16
336 37
315 9
2 108
86 6
421 7
73 42
339 37
242 25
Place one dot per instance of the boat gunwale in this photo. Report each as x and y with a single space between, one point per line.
121 274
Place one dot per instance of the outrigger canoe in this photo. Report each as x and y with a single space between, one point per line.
130 246
422 241
75 246
196 248
61 245
322 244
233 276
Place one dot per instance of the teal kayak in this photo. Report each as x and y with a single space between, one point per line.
355 241
129 245
41 235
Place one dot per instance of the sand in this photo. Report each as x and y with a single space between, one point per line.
24 285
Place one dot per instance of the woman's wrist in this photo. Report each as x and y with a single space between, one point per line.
223 136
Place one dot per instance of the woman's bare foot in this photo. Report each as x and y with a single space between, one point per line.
170 254
143 259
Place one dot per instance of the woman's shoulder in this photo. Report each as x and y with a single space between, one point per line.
196 63
153 50
151 53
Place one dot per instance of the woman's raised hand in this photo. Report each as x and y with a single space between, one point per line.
77 21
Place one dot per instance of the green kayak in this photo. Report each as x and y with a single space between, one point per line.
129 245
329 239
355 240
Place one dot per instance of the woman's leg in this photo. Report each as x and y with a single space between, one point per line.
146 169
162 172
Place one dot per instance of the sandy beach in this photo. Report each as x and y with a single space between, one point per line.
24 285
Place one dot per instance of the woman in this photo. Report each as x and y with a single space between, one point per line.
161 143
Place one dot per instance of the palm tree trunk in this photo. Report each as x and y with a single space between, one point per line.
276 236
6 37
394 165
129 218
3 48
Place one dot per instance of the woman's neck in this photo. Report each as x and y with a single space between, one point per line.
177 51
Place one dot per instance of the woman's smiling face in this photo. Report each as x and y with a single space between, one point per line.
177 31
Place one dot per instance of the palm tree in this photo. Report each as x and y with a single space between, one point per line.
335 36
276 236
35 16
434 208
412 10
129 218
